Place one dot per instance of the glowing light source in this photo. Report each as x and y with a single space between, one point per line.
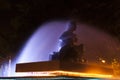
103 61
68 73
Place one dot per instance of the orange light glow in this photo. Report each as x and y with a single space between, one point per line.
68 73
103 61
78 74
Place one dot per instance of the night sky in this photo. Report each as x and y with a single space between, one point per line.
20 18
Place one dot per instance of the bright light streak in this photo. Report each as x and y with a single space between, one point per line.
68 73
23 74
83 74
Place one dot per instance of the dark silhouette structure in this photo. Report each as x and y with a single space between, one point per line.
69 50
67 60
69 37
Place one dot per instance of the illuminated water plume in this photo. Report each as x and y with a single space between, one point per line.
44 41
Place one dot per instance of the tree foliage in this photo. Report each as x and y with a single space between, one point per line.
116 67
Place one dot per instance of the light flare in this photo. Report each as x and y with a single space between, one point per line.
68 73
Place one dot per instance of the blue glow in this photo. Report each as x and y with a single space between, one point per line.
44 41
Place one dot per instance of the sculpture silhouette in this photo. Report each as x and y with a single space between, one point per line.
69 50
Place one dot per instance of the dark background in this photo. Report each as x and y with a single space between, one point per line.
19 18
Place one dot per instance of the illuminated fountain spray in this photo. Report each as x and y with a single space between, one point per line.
42 43
45 41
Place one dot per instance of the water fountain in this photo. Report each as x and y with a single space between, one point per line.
44 41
